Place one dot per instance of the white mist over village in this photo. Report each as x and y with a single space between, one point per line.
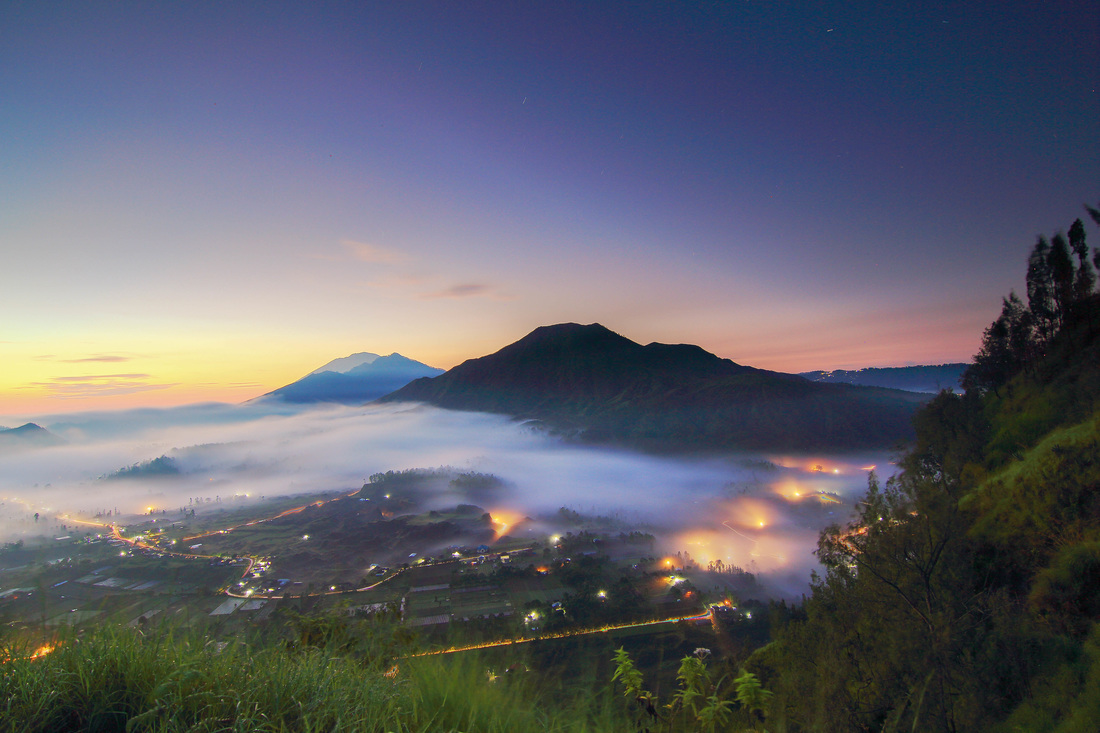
761 513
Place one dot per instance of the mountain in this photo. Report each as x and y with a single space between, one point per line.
592 384
931 378
346 363
366 377
29 434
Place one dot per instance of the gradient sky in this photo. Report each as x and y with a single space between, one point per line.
206 201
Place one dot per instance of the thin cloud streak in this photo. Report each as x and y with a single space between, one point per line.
467 290
98 358
98 385
365 252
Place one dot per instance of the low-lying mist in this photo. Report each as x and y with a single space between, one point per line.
760 513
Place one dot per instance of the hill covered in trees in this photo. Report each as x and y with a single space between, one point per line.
594 385
964 595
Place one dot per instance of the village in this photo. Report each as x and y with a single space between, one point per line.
450 576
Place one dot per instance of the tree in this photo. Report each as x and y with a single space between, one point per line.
1095 214
1085 279
1060 266
1040 290
1006 348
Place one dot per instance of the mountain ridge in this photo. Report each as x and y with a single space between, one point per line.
592 384
929 378
362 381
28 435
344 364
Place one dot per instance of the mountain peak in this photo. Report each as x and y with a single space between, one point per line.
345 364
354 379
589 381
28 433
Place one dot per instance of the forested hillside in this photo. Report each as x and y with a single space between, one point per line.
966 594
593 385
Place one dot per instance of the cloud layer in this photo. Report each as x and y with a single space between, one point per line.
760 513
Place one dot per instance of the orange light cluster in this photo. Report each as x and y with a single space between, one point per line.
43 651
503 519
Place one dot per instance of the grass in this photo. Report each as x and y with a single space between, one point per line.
114 679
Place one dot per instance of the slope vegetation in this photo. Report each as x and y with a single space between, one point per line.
964 596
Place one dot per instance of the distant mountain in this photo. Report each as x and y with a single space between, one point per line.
597 386
930 379
346 363
27 435
366 377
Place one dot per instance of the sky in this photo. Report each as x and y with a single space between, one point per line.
206 201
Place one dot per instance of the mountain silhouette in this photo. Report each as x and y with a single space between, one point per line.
367 379
27 435
591 384
926 378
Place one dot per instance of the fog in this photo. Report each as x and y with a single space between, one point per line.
760 512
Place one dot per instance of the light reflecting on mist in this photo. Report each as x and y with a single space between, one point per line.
757 512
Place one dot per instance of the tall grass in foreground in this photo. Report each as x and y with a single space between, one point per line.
121 680
463 692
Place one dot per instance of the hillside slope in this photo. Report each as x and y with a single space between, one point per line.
964 594
597 386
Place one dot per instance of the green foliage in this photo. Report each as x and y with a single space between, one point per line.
963 595
750 693
1067 698
627 673
700 703
122 681
119 680
1049 496
1066 593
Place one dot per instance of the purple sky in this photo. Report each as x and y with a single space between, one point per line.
209 200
